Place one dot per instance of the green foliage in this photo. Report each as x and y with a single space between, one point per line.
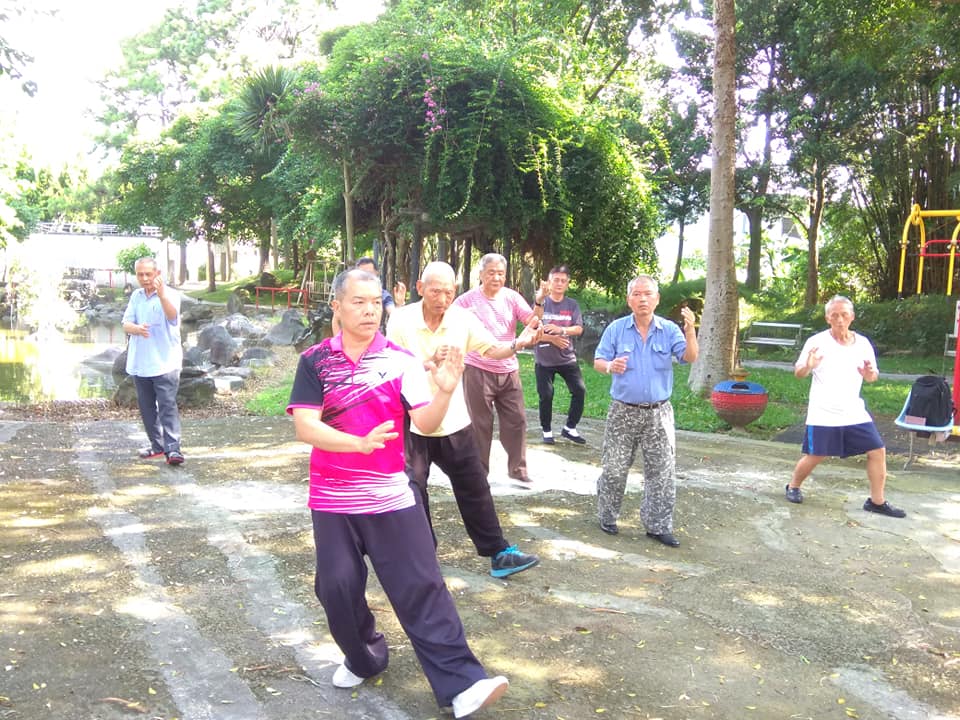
127 258
272 401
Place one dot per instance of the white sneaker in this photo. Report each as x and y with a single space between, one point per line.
481 694
343 678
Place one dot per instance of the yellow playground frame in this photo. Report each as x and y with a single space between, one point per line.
916 219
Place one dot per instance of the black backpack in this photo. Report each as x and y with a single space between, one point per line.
930 398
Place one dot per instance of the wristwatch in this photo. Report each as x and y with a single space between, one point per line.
538 304
513 346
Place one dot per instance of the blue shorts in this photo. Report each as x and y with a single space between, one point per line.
841 441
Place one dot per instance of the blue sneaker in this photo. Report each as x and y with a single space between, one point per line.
510 561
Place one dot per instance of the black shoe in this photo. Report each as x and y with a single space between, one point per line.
609 528
548 439
573 436
884 509
666 538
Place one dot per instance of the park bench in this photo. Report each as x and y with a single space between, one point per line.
773 334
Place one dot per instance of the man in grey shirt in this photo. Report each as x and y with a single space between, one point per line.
561 320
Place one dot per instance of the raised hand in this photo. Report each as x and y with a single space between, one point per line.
377 438
447 374
399 293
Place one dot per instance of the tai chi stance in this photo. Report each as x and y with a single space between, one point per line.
350 398
561 320
638 351
494 384
155 358
838 423
430 329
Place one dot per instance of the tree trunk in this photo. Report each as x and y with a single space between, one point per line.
467 263
274 243
348 212
676 268
718 329
228 244
812 295
755 224
183 262
416 249
211 268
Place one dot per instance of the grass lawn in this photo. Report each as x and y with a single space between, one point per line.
787 406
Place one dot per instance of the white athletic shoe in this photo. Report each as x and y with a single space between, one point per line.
481 694
343 678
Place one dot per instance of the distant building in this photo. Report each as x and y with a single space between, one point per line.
95 247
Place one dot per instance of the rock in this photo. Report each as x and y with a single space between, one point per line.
194 314
240 326
227 383
196 392
287 331
237 301
209 334
242 372
259 353
225 351
106 359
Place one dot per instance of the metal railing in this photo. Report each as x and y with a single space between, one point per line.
83 228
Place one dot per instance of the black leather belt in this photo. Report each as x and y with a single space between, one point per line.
645 406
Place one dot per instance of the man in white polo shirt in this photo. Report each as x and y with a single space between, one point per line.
431 329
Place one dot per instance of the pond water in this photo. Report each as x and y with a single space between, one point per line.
52 367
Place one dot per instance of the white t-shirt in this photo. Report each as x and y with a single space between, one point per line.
835 387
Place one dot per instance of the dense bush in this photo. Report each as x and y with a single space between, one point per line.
916 324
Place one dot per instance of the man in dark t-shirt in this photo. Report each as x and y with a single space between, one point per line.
554 354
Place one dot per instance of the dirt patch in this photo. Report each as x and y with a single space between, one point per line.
137 590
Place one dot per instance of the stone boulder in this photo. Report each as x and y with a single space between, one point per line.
288 330
239 325
212 333
107 359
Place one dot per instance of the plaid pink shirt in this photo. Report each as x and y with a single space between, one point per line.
500 316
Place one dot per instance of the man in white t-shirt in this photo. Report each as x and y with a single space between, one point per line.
838 424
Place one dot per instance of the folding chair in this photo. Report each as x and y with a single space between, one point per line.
914 428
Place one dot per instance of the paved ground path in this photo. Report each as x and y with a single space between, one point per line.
137 590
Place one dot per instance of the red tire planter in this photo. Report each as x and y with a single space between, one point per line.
739 403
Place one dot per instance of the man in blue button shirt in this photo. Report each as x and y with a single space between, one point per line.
638 351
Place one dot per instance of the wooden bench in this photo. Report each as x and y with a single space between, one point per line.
774 334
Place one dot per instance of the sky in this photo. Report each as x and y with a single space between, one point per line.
74 47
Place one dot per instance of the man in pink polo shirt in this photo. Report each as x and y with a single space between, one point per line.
491 383
348 402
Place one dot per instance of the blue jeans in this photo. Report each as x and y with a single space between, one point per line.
157 398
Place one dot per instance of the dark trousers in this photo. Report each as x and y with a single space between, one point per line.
457 455
401 551
578 392
157 400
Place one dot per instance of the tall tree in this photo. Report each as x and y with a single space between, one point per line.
718 329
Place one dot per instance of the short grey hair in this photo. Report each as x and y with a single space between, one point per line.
342 278
438 270
490 259
147 259
837 299
643 278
